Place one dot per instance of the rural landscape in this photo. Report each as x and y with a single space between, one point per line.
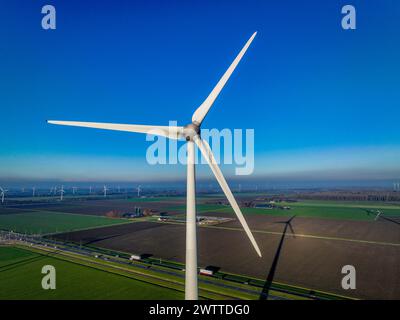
127 247
176 159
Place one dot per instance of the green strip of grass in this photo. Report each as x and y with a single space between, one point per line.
52 222
199 208
23 280
156 199
314 209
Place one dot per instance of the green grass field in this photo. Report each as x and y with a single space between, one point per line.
21 278
199 208
156 199
51 222
310 208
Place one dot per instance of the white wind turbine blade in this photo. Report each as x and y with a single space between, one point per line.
208 155
201 112
171 132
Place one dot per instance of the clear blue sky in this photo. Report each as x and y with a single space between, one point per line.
324 102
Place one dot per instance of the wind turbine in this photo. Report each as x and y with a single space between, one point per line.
2 194
138 191
191 133
33 191
105 191
378 214
61 191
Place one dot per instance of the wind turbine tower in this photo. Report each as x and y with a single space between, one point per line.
192 134
378 214
105 191
61 191
2 194
138 191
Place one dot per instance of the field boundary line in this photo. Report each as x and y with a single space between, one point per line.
312 236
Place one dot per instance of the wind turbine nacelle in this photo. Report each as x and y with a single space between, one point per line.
190 131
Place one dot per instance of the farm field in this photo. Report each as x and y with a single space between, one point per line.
317 247
326 235
348 204
200 208
312 209
351 210
326 212
21 279
93 207
157 199
45 222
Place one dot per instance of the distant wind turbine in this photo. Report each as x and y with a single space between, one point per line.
105 191
61 191
2 194
33 191
138 191
191 133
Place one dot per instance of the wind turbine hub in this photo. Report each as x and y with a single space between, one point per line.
191 130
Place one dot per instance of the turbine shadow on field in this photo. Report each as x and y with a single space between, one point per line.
381 216
268 282
101 239
21 263
26 261
390 220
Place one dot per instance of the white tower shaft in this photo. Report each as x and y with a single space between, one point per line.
191 292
